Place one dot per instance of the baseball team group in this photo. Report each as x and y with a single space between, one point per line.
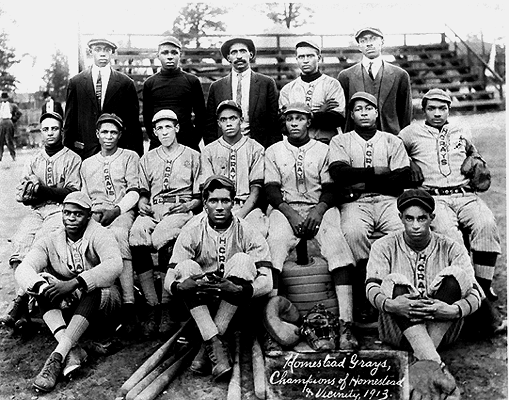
230 186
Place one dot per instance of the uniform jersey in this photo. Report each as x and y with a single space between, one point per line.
242 162
164 174
439 153
300 171
107 179
382 150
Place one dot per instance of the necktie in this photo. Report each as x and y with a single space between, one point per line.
239 89
98 90
370 71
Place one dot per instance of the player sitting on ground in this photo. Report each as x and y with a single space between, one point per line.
371 168
440 153
169 192
221 255
73 268
110 178
300 191
422 282
241 159
50 175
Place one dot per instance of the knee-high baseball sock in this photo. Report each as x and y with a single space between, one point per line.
206 325
55 322
437 331
344 294
127 282
74 331
165 296
421 342
147 286
224 315
484 264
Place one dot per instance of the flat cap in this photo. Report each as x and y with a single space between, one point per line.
164 114
299 108
113 118
362 96
308 43
79 198
171 40
51 114
228 104
417 197
93 42
437 94
225 182
225 47
5 95
374 31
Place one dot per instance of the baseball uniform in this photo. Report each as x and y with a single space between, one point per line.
300 172
354 163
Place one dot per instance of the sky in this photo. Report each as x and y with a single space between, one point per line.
37 29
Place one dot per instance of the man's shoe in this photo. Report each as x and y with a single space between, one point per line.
271 348
494 321
129 325
47 378
74 360
18 310
219 356
149 326
347 340
201 363
166 325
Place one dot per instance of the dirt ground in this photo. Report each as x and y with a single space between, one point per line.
479 365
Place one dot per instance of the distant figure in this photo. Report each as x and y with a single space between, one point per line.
176 90
95 91
388 83
254 92
9 115
50 105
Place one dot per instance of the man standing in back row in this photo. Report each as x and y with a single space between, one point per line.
388 83
254 92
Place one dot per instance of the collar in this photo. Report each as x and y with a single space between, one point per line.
173 72
377 62
236 145
437 129
311 77
246 73
366 133
105 71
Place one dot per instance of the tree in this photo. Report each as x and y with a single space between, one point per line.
289 14
7 59
196 20
57 76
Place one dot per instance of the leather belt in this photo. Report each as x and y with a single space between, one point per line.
175 199
449 190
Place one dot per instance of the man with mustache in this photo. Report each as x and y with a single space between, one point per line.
174 89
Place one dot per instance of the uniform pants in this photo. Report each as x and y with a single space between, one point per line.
7 137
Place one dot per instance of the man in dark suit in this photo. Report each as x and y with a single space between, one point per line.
388 83
95 91
9 115
256 93
50 105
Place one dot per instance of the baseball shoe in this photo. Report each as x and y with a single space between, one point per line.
47 379
149 326
201 363
74 360
496 324
129 326
166 325
347 340
219 356
18 312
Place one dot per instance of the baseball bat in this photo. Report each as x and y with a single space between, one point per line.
159 384
234 390
258 370
150 363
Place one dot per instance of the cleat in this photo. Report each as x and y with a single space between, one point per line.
201 363
46 380
347 340
219 356
74 360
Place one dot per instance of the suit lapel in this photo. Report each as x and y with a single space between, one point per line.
358 82
113 86
227 88
387 82
88 85
254 90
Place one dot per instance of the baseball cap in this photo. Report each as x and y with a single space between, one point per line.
223 180
164 114
228 104
93 42
51 114
299 108
171 40
362 96
374 31
437 94
5 95
79 198
308 43
416 197
113 118
225 47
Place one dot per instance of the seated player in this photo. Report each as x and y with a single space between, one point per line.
220 253
422 282
241 159
370 168
169 192
438 150
110 179
72 269
300 191
53 173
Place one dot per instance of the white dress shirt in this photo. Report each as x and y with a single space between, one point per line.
105 77
246 85
377 64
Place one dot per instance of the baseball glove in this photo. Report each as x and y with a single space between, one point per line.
27 188
429 380
320 328
476 169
